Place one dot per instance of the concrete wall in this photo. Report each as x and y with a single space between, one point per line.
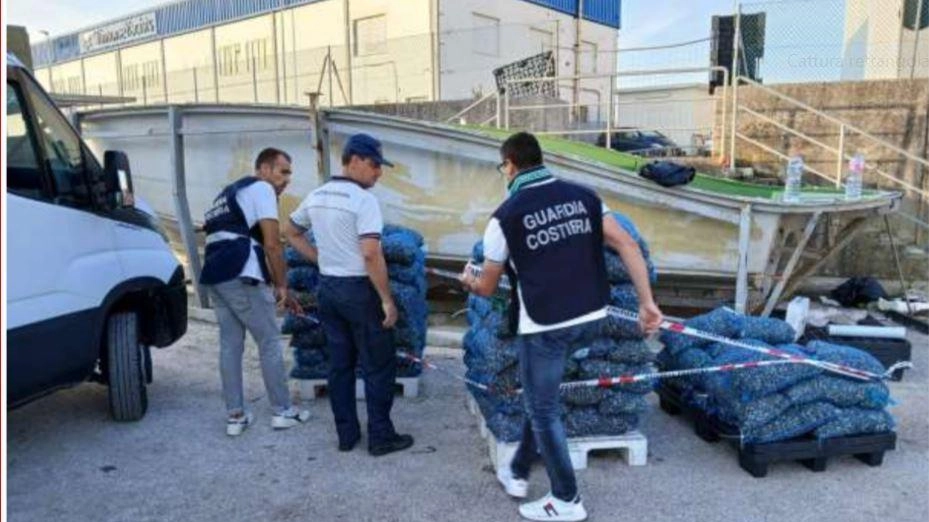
894 110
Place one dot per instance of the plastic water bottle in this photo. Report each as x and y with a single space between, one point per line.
854 176
793 177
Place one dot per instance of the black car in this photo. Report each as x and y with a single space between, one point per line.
641 142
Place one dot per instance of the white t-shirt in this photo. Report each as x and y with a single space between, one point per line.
497 251
258 201
341 213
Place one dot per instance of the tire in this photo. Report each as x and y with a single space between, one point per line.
126 368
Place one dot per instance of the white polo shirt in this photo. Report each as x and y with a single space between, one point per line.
341 213
257 201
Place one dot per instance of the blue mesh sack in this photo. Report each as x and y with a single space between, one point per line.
571 370
688 360
313 338
768 330
310 356
631 352
616 271
625 297
722 321
400 249
758 382
414 274
841 354
755 414
303 279
618 402
795 421
587 421
295 259
841 392
506 428
294 324
855 421
477 252
320 371
620 329
597 368
406 234
583 395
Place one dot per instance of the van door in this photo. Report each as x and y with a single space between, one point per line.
61 256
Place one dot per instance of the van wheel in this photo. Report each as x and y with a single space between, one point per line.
126 368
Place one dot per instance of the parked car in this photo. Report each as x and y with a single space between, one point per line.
641 142
91 281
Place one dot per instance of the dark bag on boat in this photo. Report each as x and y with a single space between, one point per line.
668 173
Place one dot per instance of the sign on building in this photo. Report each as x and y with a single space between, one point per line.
118 33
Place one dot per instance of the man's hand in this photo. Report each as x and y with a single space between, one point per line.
390 313
467 278
285 301
650 317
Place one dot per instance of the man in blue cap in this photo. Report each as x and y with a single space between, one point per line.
355 304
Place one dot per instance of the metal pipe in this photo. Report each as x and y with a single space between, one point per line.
840 158
741 281
575 96
348 52
215 66
735 83
182 206
893 247
916 33
254 81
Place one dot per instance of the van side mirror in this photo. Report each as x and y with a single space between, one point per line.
118 178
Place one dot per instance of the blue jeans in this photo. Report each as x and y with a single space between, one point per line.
351 313
541 365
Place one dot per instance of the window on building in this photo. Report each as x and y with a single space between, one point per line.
131 80
151 74
541 39
227 59
588 57
485 34
256 53
370 35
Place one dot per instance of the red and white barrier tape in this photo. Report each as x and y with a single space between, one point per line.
683 329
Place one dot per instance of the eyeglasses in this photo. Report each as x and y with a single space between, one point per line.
501 166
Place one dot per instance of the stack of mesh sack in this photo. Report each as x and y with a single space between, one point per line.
619 348
779 402
406 262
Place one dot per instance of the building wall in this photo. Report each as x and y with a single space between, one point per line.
684 113
877 46
382 51
478 36
189 67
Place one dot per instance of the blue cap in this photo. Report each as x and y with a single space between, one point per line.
365 146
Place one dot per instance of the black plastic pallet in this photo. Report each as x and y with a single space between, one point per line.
755 457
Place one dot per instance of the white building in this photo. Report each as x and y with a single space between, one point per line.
886 39
274 51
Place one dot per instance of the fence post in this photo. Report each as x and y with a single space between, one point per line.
254 81
736 40
841 159
196 86
609 117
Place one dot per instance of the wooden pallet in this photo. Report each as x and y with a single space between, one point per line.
632 445
311 389
754 458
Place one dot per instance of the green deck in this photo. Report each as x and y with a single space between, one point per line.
622 160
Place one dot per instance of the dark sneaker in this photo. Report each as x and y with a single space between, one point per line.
396 443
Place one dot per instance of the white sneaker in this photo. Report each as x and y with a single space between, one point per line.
513 486
550 508
289 419
236 425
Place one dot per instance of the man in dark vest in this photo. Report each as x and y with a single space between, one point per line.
548 236
244 255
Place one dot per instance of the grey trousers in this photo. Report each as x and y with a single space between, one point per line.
240 307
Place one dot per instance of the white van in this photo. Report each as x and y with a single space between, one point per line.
91 280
